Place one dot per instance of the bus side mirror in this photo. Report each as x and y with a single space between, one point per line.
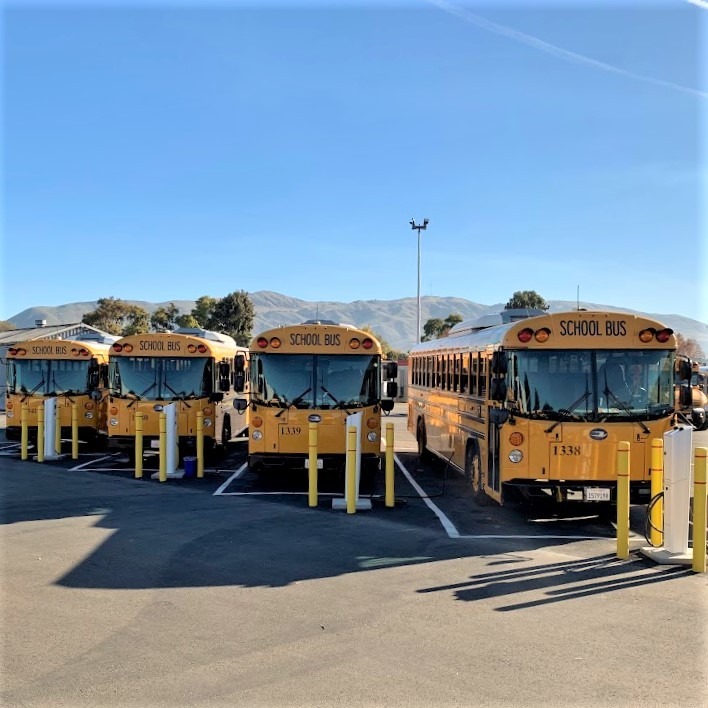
96 395
391 370
240 404
391 389
216 397
685 370
498 416
94 377
500 363
224 376
497 391
387 405
239 383
240 363
685 396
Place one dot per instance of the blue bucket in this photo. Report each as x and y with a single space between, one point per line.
190 466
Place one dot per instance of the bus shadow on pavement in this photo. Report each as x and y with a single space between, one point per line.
558 582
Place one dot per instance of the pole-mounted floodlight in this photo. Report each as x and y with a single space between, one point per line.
418 228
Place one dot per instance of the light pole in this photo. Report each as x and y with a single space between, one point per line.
419 228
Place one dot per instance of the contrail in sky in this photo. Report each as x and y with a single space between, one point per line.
559 52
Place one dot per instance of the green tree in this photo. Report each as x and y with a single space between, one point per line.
164 317
451 321
432 329
233 315
203 310
187 321
118 317
6 326
137 321
526 298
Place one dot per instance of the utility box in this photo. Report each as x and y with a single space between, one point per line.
677 488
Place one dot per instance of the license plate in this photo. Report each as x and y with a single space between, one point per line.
319 463
596 494
155 444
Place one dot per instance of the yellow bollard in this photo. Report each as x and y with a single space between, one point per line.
390 498
163 447
24 436
57 429
699 509
40 431
139 444
312 461
200 444
74 431
351 465
656 517
623 500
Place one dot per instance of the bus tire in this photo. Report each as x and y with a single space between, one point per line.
422 439
473 471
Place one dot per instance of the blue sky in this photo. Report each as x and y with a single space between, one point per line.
166 150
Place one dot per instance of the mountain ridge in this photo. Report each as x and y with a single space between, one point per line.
394 320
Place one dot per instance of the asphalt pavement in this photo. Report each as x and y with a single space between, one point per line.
124 592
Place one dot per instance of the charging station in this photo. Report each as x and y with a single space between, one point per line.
677 498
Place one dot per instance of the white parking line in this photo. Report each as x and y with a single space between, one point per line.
449 527
278 494
234 476
452 532
92 462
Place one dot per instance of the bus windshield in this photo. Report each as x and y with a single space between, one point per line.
161 378
47 376
317 380
585 384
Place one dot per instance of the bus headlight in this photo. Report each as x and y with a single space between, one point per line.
207 422
372 436
114 422
88 415
257 435
9 414
516 455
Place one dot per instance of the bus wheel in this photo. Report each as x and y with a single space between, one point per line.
422 439
473 471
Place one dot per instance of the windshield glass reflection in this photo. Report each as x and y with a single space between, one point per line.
48 376
585 383
161 378
316 380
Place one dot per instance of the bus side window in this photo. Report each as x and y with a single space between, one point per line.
482 376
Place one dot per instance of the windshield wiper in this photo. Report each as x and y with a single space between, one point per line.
340 404
294 402
67 393
621 404
178 396
30 393
568 412
139 397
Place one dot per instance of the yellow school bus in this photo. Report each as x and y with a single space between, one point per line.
525 403
197 369
690 392
70 370
322 372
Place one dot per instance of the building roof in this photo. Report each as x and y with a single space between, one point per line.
62 331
